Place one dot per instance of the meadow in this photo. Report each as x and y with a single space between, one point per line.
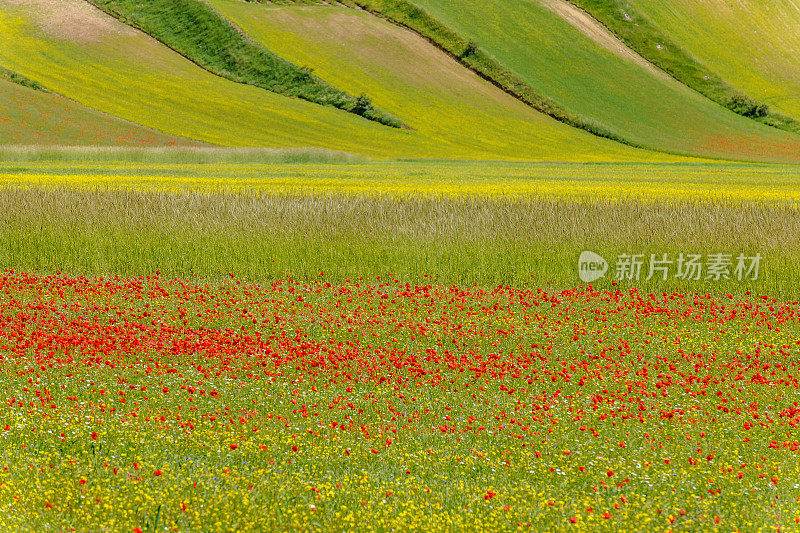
113 68
199 33
249 339
306 212
28 117
644 36
152 404
225 307
278 171
592 79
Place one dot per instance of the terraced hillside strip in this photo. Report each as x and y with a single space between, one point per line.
30 117
761 50
364 53
560 61
193 29
745 22
406 14
593 29
128 74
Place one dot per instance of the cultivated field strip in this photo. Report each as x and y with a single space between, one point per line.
526 242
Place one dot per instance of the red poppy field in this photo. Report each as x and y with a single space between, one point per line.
152 404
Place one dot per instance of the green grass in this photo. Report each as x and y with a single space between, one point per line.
644 36
130 75
196 31
34 117
123 227
760 55
411 16
362 53
560 62
459 222
179 156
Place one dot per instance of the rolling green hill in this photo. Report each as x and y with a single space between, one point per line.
626 21
35 117
193 29
209 72
94 59
753 44
577 65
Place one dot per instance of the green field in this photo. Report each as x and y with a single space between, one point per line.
200 34
762 47
224 307
129 75
275 172
523 242
521 224
34 117
589 79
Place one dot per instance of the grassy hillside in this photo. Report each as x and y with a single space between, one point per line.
197 32
637 31
761 52
111 67
406 14
362 53
29 116
574 70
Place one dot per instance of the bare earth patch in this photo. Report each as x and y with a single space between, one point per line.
73 20
598 33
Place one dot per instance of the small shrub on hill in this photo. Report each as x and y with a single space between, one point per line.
19 79
746 106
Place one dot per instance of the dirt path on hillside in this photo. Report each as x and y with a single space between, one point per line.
598 33
73 20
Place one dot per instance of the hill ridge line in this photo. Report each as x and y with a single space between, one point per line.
547 106
360 106
739 102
